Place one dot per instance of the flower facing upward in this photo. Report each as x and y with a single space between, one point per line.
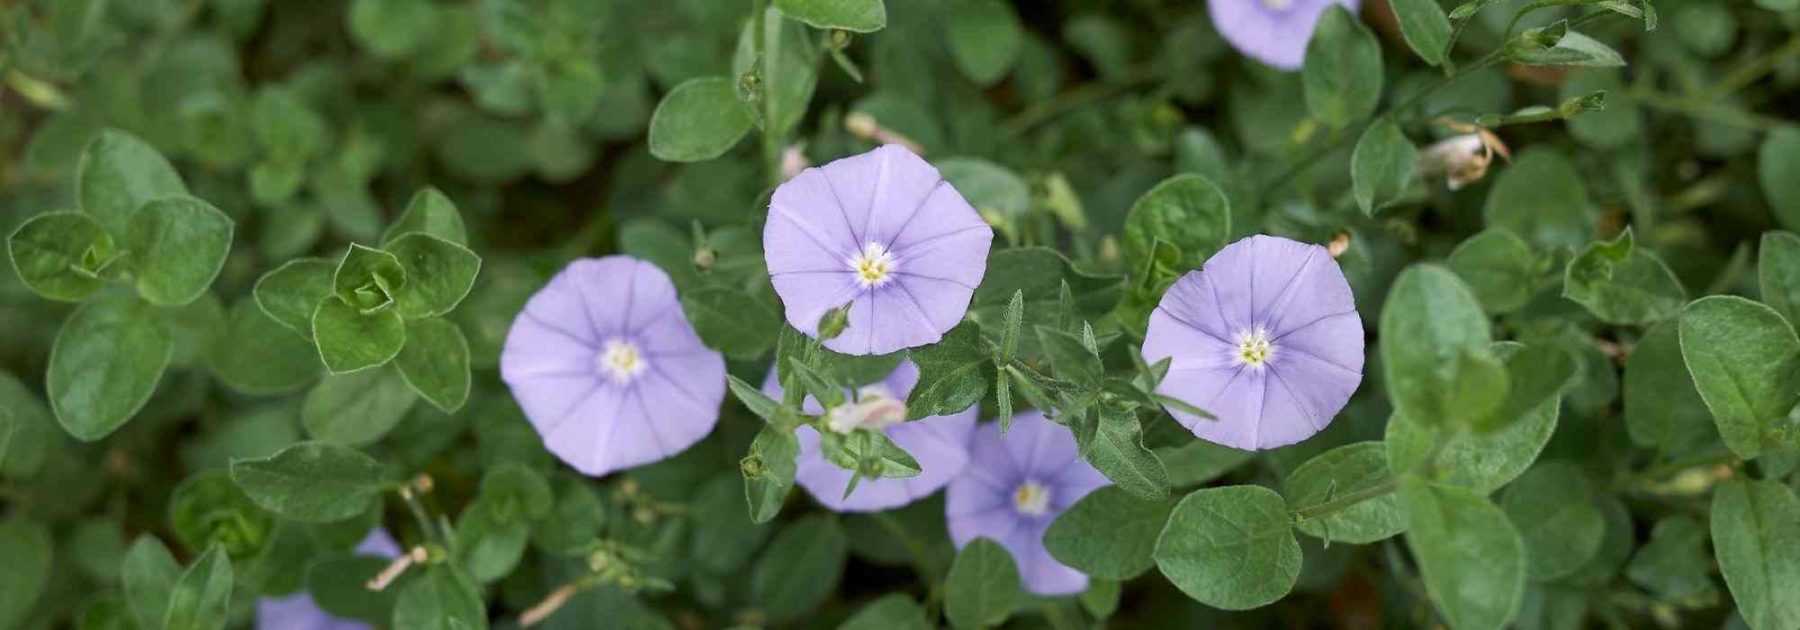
1014 487
1265 337
605 365
1274 32
939 443
884 233
300 612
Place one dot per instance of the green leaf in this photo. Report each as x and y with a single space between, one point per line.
1623 284
1381 166
1570 49
894 611
312 482
1471 558
860 16
357 408
1500 269
291 293
104 364
1481 461
59 255
1027 270
951 374
1541 198
1756 534
787 77
1108 534
1426 29
118 174
27 547
1745 360
393 29
201 597
1187 211
1199 461
177 245
984 38
1778 169
366 278
256 355
444 599
350 341
724 536
1434 350
1778 273
208 510
699 120
1072 361
1342 70
800 568
429 212
1662 408
1536 375
769 471
732 321
435 362
1338 473
1552 506
439 274
1230 547
1675 565
578 516
335 584
1117 450
149 574
487 546
982 588
992 189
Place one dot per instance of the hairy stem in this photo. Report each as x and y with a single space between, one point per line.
1344 502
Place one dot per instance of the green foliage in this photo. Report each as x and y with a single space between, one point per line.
1623 284
1754 527
1342 73
1231 547
1108 534
313 482
1382 165
698 120
982 587
1347 471
1745 361
1470 556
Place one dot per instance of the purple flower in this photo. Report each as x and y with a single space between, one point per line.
299 612
607 368
1014 487
939 443
1274 32
884 233
1265 337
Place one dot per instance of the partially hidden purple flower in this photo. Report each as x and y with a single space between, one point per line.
1265 336
884 233
1274 32
606 366
939 443
1014 487
300 612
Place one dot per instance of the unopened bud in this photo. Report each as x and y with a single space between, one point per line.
704 257
752 467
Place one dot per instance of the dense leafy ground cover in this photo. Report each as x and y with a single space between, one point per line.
294 328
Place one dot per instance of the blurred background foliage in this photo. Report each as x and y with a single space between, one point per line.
312 123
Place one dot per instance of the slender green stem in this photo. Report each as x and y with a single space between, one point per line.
1708 457
1705 108
1089 94
426 525
1754 69
767 80
1345 501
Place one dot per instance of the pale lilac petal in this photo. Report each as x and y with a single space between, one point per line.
939 443
886 205
595 415
982 503
1274 36
1293 298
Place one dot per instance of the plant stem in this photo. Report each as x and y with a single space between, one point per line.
1072 100
1754 69
417 508
766 82
1700 107
1346 501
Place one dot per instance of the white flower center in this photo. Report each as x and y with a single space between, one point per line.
875 409
1254 348
620 360
874 266
1031 499
1278 5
